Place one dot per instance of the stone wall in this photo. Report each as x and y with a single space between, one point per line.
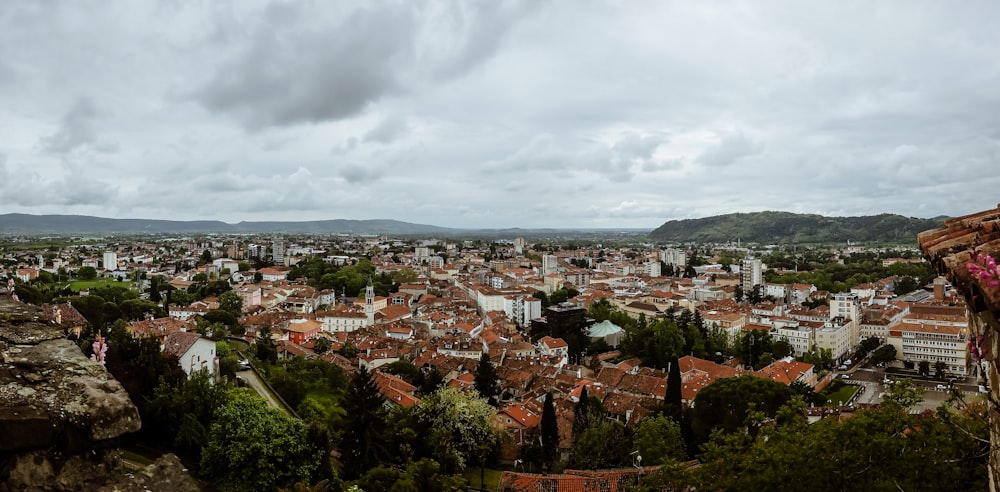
61 414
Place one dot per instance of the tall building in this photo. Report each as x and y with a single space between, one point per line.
370 302
550 264
519 244
278 251
674 257
751 273
848 306
110 260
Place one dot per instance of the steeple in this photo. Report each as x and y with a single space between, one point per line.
370 302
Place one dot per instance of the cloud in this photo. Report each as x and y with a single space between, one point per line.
730 149
77 130
388 130
356 174
291 68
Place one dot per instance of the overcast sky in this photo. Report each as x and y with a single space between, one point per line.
498 114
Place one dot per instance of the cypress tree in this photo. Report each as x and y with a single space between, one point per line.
550 432
364 445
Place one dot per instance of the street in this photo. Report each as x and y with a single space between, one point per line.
250 377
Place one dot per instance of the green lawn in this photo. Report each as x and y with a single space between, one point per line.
492 477
841 395
78 285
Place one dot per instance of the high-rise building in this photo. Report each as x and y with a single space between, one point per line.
110 260
278 251
550 264
674 257
519 244
370 302
751 273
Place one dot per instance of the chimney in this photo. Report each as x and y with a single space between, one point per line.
939 288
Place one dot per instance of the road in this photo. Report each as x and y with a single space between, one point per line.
871 379
254 382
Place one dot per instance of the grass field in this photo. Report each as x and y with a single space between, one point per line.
78 285
841 396
492 477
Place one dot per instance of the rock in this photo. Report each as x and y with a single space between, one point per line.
45 377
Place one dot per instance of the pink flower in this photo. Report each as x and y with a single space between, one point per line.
985 268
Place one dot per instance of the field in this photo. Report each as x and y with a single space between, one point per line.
841 396
78 285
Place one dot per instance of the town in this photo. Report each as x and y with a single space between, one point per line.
532 327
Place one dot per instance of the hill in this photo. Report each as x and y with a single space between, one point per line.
786 227
84 224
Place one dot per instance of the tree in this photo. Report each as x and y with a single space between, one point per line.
365 444
550 433
487 380
181 414
939 369
322 345
458 427
232 303
884 354
264 346
254 447
924 368
605 444
726 402
673 399
903 394
658 440
86 273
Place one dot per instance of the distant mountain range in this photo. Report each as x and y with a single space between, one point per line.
789 228
84 224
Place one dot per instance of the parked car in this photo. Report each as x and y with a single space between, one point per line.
942 386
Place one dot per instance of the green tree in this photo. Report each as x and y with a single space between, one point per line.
322 345
487 381
605 444
254 447
264 346
550 433
924 368
884 354
364 444
658 440
939 369
459 427
181 414
726 403
232 303
86 273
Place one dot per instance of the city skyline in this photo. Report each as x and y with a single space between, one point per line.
497 114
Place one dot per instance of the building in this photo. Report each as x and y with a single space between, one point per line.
916 342
278 251
110 260
194 352
550 264
519 244
847 305
674 257
302 330
751 274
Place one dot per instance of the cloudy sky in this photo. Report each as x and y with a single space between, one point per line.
498 114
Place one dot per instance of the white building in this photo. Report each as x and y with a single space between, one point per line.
550 264
848 306
916 342
194 352
751 274
799 338
110 260
674 257
278 251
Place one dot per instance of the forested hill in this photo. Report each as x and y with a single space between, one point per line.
787 227
82 224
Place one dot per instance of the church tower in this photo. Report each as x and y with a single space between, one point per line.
370 302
